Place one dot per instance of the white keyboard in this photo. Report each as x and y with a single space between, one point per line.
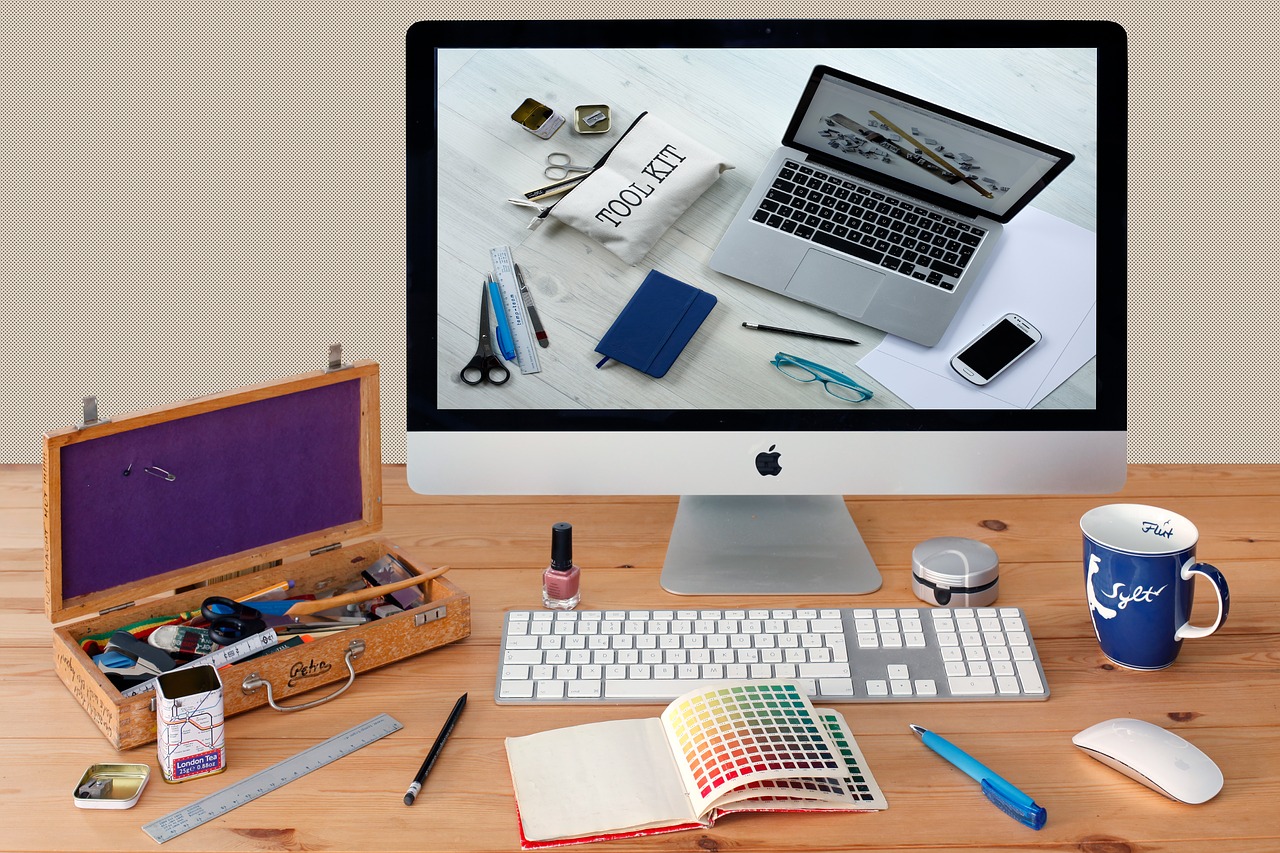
856 654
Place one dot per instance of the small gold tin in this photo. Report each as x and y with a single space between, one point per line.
111 786
592 118
538 119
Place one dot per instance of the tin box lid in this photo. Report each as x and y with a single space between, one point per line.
955 562
145 503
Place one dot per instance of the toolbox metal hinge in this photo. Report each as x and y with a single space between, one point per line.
124 606
335 359
91 413
324 549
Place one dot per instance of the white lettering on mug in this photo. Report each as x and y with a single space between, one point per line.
1141 594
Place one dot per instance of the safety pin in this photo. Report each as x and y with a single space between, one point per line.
155 471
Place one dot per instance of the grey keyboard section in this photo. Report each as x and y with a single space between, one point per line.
855 654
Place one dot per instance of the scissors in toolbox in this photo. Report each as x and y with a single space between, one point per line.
230 620
484 366
559 165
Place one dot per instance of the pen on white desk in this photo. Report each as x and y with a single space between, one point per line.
1007 798
414 788
763 328
527 297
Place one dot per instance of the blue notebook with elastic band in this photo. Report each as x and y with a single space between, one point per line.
655 325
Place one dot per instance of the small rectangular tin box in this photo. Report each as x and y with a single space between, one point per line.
592 118
538 119
111 786
191 735
263 483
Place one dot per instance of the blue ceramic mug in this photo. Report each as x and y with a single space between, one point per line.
1139 573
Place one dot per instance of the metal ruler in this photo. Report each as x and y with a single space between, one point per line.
265 781
522 334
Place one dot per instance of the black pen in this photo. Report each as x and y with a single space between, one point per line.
435 750
798 333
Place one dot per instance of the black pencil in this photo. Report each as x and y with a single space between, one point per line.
412 793
799 334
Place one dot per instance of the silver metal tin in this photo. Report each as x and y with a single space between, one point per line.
111 786
538 119
592 118
953 571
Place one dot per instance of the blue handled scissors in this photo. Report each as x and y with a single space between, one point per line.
484 366
230 621
559 165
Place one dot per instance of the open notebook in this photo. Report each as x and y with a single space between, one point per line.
749 746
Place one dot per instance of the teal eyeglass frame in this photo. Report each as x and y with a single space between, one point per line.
793 367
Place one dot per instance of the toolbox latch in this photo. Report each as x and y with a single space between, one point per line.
335 359
428 616
91 413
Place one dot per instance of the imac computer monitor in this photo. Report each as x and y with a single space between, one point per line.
1018 122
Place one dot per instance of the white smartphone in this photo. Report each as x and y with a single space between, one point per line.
1000 345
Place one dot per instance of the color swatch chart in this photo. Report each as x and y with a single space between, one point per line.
749 732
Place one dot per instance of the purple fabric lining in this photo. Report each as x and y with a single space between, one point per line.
243 477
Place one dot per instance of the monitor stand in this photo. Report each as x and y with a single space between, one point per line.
767 545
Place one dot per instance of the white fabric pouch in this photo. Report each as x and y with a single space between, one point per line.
638 189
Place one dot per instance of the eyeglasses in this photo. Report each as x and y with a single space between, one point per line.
837 384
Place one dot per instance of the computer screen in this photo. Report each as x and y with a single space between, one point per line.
762 462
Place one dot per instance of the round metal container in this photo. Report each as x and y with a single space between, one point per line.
952 571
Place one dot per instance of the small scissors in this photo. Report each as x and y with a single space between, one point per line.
230 621
484 366
559 166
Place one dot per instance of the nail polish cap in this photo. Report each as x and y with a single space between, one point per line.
562 546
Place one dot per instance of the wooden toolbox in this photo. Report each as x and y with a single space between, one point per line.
149 514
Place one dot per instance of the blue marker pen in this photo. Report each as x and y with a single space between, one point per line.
1007 798
505 345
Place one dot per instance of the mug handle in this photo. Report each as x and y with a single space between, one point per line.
1189 631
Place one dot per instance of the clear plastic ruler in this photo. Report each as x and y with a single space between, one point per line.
522 334
265 781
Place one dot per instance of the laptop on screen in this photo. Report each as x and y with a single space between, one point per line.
882 207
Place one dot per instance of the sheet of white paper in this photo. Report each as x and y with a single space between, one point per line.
1058 298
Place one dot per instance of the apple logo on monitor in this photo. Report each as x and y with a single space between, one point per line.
767 462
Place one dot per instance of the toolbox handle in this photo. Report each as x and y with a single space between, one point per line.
253 681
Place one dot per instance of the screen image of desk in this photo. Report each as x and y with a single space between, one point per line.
571 427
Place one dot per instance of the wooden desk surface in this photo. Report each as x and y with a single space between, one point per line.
1222 694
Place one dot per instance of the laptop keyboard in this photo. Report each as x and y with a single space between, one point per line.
881 654
866 223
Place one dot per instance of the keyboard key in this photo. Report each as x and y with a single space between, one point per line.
972 686
1030 676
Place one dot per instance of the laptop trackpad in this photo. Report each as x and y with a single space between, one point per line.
834 283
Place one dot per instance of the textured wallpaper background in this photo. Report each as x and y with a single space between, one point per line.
199 198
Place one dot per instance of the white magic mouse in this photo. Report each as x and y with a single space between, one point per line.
1156 757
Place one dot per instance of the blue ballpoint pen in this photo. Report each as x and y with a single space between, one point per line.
1007 798
505 345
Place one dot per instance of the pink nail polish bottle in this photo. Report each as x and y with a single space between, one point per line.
560 590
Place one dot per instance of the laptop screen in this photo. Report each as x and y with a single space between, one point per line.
920 148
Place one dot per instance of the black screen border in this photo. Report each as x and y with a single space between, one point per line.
425 37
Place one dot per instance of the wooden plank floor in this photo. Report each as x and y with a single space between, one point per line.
1222 694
